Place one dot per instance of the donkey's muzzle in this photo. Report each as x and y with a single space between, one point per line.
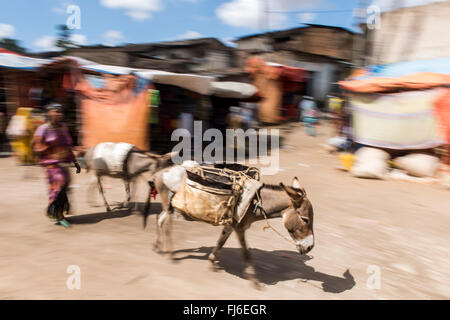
305 245
303 250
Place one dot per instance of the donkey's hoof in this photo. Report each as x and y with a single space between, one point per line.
255 282
172 258
257 285
214 266
252 277
156 248
214 263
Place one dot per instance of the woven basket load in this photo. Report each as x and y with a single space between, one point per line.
211 195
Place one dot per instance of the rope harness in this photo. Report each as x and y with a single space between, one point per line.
238 179
227 209
268 225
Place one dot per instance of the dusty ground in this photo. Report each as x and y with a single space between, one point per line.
399 227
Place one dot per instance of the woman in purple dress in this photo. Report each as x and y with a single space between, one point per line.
53 145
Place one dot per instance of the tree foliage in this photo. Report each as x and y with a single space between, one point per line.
63 40
12 45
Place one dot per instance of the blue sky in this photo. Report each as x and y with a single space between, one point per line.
114 22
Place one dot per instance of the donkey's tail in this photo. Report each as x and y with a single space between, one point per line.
146 212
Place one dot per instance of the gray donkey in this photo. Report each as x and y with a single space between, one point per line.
288 202
123 161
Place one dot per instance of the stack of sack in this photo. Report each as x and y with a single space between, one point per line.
373 163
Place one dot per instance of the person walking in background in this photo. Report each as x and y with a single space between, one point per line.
309 114
3 117
2 131
335 103
53 145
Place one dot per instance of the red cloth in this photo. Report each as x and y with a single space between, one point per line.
68 81
292 74
282 73
2 50
442 108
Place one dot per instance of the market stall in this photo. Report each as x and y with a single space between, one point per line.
402 110
20 99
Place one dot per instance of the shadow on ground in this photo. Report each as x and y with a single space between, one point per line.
94 218
272 267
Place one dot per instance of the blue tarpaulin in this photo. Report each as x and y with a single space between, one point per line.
400 69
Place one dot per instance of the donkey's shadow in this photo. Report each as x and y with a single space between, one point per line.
273 267
118 213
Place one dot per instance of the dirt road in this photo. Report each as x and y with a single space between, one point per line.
364 229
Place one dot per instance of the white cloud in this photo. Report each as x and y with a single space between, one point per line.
138 15
251 13
46 43
113 37
307 17
229 41
62 8
190 35
6 30
58 10
241 13
138 10
78 39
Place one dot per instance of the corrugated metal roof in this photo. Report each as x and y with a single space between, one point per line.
286 32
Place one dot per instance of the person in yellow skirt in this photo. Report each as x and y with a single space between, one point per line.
335 107
20 131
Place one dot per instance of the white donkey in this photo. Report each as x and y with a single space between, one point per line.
123 161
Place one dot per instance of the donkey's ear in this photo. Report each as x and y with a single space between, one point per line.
296 198
170 155
152 155
166 159
167 156
296 183
157 156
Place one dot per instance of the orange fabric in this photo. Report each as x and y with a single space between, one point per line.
357 73
272 94
283 73
442 107
417 81
272 82
114 114
254 65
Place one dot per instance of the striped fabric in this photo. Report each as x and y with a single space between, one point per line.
396 121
